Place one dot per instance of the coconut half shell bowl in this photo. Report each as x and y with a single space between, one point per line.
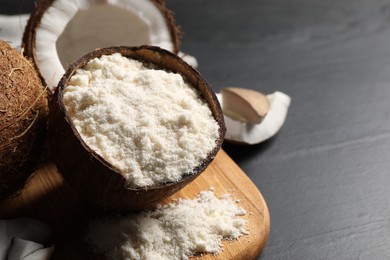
92 176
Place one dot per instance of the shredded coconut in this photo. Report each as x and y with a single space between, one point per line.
149 123
174 231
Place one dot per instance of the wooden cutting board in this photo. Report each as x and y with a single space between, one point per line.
46 198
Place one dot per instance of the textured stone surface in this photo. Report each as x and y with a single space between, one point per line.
326 175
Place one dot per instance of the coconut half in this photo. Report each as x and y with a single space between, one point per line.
60 31
90 174
23 114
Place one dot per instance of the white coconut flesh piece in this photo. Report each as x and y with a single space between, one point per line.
71 28
238 131
245 105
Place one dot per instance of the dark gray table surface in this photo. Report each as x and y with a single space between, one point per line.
326 175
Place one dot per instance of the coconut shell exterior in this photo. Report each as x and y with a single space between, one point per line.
91 175
29 35
23 117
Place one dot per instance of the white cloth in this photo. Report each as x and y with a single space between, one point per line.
12 28
24 239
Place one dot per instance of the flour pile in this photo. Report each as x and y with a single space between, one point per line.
149 123
173 231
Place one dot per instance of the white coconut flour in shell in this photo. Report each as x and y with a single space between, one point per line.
173 232
148 123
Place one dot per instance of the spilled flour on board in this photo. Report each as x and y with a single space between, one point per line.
174 231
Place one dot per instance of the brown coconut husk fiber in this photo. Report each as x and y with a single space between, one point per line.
23 116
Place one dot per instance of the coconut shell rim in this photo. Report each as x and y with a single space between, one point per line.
83 60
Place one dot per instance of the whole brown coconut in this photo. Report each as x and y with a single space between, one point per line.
90 174
23 114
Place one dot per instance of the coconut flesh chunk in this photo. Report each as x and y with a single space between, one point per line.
245 105
71 28
247 133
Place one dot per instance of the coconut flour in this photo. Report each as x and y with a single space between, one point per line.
174 231
148 123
